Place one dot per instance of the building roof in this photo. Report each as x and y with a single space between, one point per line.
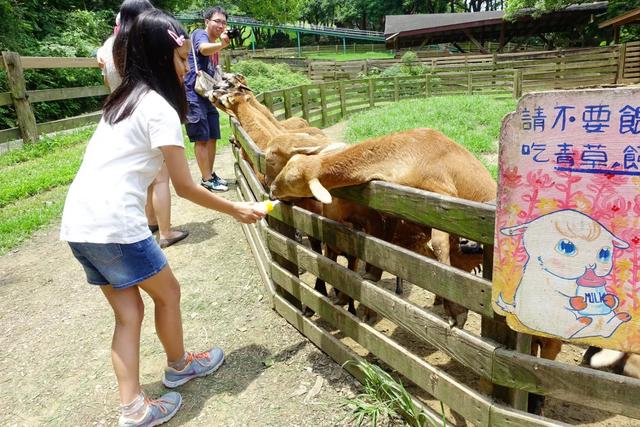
412 30
625 18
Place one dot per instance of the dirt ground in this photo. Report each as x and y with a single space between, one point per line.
55 366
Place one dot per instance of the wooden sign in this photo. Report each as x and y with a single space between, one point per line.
567 242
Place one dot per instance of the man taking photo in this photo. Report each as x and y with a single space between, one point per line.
203 120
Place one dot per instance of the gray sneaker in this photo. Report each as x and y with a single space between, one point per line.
158 411
218 179
214 186
198 365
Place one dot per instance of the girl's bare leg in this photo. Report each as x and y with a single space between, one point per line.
128 309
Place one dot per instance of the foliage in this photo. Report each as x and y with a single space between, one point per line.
615 8
263 77
34 181
408 66
385 398
45 146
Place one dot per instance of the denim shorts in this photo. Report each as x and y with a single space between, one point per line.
203 120
120 265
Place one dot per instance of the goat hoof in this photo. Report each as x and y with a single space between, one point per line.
452 321
307 312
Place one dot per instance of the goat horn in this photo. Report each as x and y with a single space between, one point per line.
319 192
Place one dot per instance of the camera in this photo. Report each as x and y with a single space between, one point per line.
233 32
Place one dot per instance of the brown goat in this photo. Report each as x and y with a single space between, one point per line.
260 126
420 158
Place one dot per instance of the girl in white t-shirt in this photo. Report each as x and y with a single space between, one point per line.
104 220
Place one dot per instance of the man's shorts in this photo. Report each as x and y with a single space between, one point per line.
203 120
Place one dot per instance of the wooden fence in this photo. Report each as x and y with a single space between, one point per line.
514 73
21 98
337 48
505 375
324 103
579 67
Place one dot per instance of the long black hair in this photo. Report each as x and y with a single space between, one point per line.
148 66
129 11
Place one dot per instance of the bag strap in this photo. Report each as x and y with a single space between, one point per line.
195 58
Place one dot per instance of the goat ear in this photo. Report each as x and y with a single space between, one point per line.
333 147
516 230
307 151
319 192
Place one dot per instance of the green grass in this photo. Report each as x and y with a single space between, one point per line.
45 146
34 181
472 121
385 399
330 56
19 220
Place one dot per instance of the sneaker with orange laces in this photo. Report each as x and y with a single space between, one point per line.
158 411
198 365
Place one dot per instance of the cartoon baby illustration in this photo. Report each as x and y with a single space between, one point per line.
562 289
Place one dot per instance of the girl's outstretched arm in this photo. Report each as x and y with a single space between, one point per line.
174 156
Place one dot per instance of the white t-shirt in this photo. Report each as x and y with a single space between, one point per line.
105 53
106 200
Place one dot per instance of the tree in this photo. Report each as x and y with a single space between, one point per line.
615 8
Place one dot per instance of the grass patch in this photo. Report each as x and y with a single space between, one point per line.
45 146
385 399
20 220
34 181
264 77
31 177
330 56
472 121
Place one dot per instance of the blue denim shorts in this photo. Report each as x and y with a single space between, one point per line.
119 265
203 120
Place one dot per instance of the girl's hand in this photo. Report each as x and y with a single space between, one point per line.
247 213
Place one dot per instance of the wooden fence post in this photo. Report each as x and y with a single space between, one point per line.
497 330
372 101
517 83
622 56
287 103
268 100
469 83
343 101
226 58
304 95
18 90
323 104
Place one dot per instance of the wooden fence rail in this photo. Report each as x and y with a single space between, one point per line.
27 129
610 64
488 356
493 360
495 74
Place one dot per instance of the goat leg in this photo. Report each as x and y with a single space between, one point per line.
441 243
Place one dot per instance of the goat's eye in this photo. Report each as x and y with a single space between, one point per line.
604 255
566 247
